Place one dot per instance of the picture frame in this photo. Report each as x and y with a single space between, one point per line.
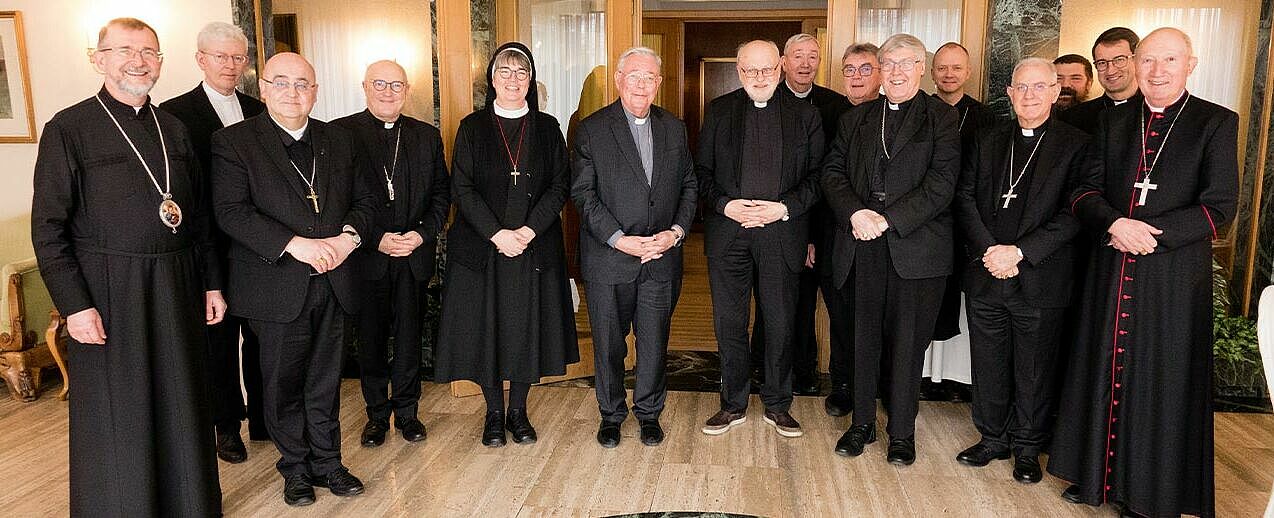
17 110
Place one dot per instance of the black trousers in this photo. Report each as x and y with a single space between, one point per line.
894 320
301 363
391 307
644 306
225 394
840 316
1014 348
754 256
804 344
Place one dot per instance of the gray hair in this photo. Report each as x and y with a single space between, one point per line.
798 38
640 51
220 31
511 56
866 48
1034 61
902 41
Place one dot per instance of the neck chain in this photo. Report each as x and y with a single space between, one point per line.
883 146
169 212
513 159
1013 181
393 169
963 116
309 182
1145 184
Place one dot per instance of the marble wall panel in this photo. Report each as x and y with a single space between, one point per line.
1262 266
1017 29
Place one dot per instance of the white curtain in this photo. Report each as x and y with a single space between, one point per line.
568 39
1212 31
933 21
341 38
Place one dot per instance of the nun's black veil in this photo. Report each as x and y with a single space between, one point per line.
532 94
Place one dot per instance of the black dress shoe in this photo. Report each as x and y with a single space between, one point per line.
297 490
651 433
412 429
230 448
1026 469
608 434
840 402
374 432
340 482
902 451
933 391
854 439
980 454
257 431
805 384
519 425
1072 494
493 429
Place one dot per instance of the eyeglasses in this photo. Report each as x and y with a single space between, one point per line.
300 85
752 73
237 59
1038 88
506 72
862 70
905 66
1119 61
394 86
128 53
640 79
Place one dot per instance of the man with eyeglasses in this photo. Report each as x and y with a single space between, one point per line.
409 184
119 223
757 165
215 104
635 189
292 194
1112 57
889 178
861 69
1013 203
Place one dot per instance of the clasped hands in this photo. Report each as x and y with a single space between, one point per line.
1133 236
511 243
1001 261
647 248
325 254
400 245
868 224
754 213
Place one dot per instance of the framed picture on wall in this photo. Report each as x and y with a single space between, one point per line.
17 115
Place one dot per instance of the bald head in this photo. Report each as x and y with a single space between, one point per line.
385 85
1164 61
289 89
758 66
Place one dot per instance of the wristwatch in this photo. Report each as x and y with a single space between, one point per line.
349 231
786 216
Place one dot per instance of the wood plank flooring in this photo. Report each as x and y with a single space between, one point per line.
566 474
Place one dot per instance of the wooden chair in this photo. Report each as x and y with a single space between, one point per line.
24 354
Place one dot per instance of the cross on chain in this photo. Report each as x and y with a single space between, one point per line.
1145 187
1007 198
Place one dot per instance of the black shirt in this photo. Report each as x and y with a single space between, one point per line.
762 155
1008 219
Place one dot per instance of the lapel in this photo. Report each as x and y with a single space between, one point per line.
627 145
659 137
1003 135
787 135
739 106
911 122
322 167
1125 133
865 142
1046 164
268 138
204 108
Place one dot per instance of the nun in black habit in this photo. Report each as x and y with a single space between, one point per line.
506 307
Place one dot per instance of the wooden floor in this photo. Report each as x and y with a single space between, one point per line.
748 470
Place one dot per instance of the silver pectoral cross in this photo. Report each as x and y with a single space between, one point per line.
1145 187
389 185
1007 198
515 174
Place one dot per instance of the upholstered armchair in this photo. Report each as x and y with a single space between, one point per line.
32 333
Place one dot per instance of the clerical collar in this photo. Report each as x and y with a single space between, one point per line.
640 121
1118 102
1154 109
295 134
110 100
760 104
511 114
1032 132
893 106
215 96
800 95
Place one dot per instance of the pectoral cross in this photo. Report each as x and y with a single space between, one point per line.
389 184
1007 198
1145 187
313 197
515 174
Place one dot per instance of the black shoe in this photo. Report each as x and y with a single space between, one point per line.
933 391
493 429
608 434
651 433
1026 469
980 454
854 439
230 448
805 384
520 426
902 451
412 429
1072 494
297 490
958 392
783 423
840 402
340 482
374 432
257 431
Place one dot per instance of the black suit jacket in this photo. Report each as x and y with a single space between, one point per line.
426 190
260 203
195 111
1047 227
718 167
919 180
612 194
1085 115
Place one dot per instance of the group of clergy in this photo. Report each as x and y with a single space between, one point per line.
1078 248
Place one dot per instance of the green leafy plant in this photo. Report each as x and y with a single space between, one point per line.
1235 349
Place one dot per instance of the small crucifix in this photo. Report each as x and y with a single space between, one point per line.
1145 187
1007 198
313 197
389 185
515 174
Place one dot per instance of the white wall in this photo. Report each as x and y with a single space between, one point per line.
58 32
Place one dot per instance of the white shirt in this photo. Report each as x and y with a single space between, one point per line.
296 133
226 106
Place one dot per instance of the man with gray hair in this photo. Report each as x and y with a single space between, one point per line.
210 106
1019 228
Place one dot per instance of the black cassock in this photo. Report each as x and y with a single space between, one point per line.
141 437
1135 421
506 318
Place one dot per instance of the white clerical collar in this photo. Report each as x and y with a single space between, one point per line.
893 106
800 95
511 114
295 134
1119 101
760 104
215 96
1028 132
1154 109
640 121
